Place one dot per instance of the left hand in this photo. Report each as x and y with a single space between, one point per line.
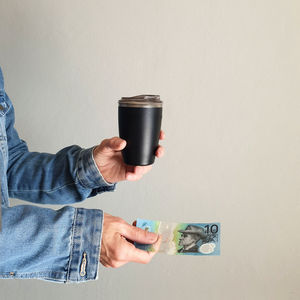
109 160
117 243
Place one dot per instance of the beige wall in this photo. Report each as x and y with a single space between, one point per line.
228 73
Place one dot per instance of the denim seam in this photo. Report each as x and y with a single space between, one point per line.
47 191
41 273
76 168
100 244
72 244
102 221
44 275
101 188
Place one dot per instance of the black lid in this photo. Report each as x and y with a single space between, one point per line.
141 101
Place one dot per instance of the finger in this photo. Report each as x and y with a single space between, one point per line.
117 263
133 224
104 262
129 174
162 135
146 169
160 151
113 263
134 254
136 172
130 169
115 143
132 177
141 256
157 244
138 235
141 170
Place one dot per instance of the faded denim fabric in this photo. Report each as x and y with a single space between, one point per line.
56 245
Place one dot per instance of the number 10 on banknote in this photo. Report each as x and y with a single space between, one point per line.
183 238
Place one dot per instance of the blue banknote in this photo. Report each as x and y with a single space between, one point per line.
183 238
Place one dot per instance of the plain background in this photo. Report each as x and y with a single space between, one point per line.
228 73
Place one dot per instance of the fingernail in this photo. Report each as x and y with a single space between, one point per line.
153 236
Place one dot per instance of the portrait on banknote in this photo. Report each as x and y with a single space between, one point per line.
190 238
184 238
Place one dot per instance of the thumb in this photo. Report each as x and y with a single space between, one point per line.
139 235
115 144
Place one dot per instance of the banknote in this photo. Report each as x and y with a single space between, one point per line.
183 238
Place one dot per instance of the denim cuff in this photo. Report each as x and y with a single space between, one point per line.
89 174
85 245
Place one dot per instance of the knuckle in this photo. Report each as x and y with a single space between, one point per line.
103 145
114 264
136 233
104 142
120 220
114 253
117 254
122 227
147 260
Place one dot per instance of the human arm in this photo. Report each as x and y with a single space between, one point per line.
72 174
49 244
68 176
64 245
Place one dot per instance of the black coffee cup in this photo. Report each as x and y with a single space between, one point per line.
140 124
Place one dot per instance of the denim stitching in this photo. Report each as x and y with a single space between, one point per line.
76 168
72 244
47 191
42 273
99 247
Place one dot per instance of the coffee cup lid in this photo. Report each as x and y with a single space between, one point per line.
141 101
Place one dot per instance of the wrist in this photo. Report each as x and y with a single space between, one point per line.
100 169
88 173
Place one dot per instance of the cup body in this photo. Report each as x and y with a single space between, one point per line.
140 126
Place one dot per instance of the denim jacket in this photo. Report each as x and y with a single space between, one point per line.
35 242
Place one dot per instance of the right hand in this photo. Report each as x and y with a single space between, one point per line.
109 160
116 248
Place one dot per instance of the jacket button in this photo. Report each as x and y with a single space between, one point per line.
1 107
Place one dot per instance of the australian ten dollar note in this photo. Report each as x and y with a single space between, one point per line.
183 238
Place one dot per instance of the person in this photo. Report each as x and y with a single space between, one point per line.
190 237
63 245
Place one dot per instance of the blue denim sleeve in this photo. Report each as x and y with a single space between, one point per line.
71 175
55 245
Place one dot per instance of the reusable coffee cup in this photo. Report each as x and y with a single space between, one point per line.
140 124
